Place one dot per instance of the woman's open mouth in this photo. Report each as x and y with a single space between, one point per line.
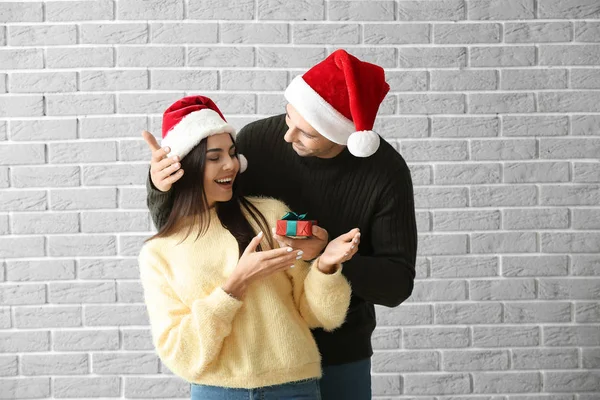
225 183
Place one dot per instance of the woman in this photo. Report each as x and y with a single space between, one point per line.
228 312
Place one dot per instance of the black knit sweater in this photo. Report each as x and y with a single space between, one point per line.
374 194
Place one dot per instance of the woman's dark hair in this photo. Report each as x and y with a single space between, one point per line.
191 205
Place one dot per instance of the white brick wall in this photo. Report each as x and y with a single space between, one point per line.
495 104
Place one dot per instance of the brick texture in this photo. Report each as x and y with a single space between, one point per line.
494 104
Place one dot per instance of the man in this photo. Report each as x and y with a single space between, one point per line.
323 159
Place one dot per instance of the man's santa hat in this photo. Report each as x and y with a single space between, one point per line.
191 119
339 97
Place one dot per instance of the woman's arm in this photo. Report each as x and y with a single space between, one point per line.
321 292
322 298
187 339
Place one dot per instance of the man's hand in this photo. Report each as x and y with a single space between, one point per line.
163 171
311 247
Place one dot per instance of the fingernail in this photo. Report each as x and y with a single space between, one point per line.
167 149
351 247
346 254
291 266
298 258
300 252
289 249
259 234
358 234
176 165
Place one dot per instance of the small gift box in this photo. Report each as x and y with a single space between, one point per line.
295 226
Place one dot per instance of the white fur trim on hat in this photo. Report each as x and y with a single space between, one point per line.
243 162
192 128
363 143
321 115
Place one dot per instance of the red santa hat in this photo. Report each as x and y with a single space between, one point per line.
339 97
191 119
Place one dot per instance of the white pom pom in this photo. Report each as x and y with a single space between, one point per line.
243 162
363 143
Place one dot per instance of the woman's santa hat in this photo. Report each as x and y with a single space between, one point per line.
339 97
191 119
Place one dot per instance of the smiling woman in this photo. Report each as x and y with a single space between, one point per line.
197 133
211 296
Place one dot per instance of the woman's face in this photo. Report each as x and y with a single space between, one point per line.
222 166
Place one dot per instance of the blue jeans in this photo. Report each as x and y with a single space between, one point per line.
351 381
301 390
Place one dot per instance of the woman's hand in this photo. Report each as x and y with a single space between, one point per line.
339 250
255 265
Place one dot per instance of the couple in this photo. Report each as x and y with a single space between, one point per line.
228 312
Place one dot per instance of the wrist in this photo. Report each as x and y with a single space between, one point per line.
314 255
325 267
235 287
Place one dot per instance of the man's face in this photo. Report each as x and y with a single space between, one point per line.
305 140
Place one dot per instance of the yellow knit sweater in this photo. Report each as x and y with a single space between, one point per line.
208 337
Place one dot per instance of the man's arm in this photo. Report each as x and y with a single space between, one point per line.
387 276
165 171
159 203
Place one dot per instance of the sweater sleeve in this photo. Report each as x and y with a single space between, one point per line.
322 299
187 339
159 203
387 275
